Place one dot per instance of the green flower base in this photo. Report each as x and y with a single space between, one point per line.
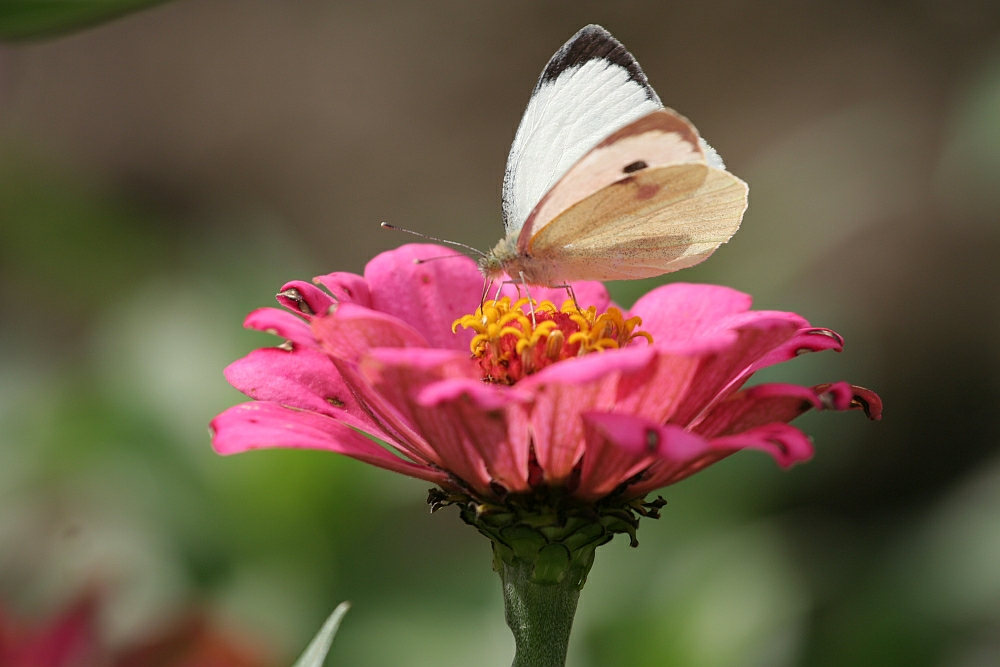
543 549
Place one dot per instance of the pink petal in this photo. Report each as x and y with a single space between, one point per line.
658 388
346 288
557 427
844 396
430 296
563 392
767 403
261 425
723 373
591 368
763 404
620 446
807 339
786 444
305 299
473 415
281 323
402 435
867 400
400 376
304 379
680 312
741 320
353 330
431 364
485 396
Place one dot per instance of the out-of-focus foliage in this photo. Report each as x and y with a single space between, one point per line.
163 175
26 19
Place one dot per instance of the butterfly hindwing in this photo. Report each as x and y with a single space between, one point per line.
659 139
660 220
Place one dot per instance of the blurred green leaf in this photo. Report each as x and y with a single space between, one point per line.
315 654
71 238
26 19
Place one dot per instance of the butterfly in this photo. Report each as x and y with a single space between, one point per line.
605 183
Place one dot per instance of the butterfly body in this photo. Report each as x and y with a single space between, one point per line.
603 182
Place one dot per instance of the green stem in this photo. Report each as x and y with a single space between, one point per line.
543 548
539 614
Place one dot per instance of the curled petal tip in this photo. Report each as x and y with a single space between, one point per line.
867 400
837 341
295 297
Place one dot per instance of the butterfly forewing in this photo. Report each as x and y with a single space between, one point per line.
590 88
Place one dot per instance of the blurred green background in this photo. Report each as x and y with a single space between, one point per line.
163 174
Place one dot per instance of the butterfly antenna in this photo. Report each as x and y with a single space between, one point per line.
386 225
433 259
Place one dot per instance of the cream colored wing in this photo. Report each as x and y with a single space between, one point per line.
659 139
653 222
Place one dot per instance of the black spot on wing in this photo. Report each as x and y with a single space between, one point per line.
634 167
594 43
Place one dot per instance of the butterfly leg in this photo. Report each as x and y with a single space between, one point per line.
496 297
531 303
487 284
516 285
570 293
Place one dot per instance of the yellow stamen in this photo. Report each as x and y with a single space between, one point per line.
510 344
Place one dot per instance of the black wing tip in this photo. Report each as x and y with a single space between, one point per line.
593 42
594 31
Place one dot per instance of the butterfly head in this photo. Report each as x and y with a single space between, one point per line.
497 261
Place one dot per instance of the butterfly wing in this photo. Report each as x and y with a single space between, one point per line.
590 88
659 139
652 222
604 183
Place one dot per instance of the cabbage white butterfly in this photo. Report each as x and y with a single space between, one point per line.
605 183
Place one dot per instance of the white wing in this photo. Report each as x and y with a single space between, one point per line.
712 156
590 88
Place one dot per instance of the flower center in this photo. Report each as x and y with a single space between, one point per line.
510 343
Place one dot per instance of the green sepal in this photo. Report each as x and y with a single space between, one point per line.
551 564
549 530
526 542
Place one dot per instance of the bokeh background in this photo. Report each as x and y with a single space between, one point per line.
163 174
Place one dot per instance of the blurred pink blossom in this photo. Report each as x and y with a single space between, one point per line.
72 638
69 639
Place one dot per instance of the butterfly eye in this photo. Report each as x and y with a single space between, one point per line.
634 167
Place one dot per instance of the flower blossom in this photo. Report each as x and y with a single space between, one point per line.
68 639
72 638
504 398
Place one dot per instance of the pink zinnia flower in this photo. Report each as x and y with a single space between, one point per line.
577 400
377 356
547 426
